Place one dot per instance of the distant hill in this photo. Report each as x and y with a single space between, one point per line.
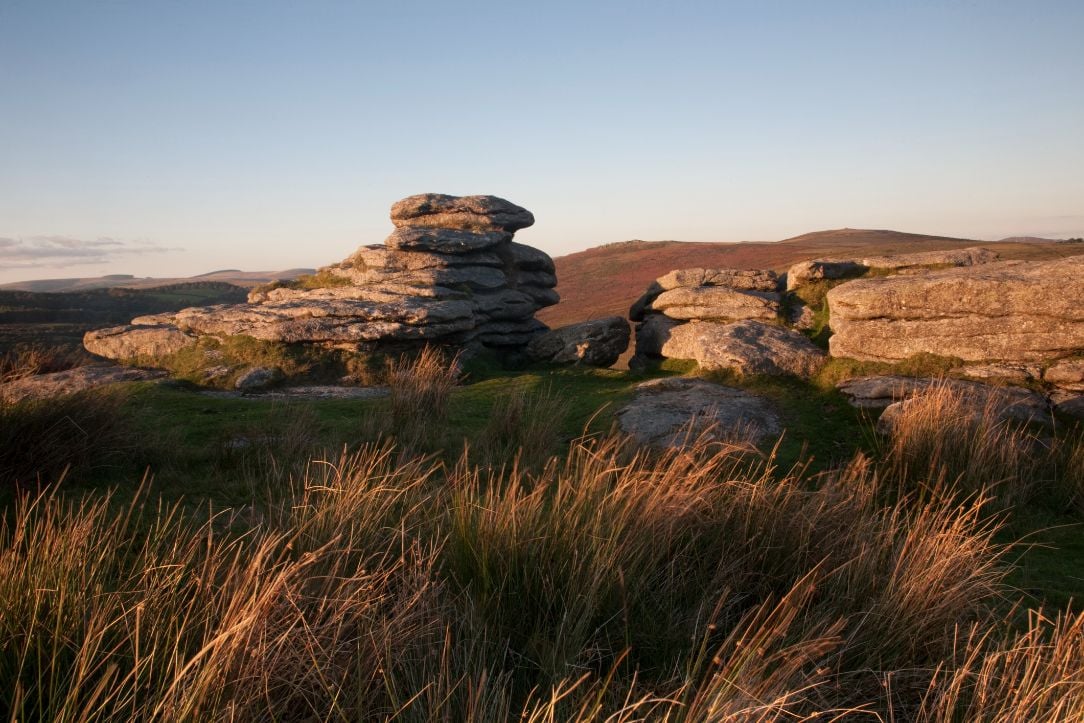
246 279
605 280
61 318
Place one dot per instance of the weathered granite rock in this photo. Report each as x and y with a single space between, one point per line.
596 343
805 272
528 258
449 274
1005 372
716 303
1010 311
473 213
926 259
653 333
1066 374
132 342
379 256
1011 403
738 279
1070 405
673 412
745 347
69 381
257 378
444 240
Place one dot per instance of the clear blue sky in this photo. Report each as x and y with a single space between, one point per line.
162 138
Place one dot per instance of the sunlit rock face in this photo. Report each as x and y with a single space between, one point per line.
1011 311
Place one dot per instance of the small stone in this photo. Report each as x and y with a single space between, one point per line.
257 378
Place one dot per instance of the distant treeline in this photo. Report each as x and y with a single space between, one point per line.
111 306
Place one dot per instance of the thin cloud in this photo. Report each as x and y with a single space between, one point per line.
58 252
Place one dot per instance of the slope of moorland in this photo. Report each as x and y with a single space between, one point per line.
235 277
60 318
605 280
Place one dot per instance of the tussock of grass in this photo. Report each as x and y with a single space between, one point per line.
524 425
944 442
322 279
28 360
41 440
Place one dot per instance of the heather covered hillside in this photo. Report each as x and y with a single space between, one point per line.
606 279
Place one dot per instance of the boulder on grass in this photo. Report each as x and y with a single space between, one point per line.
675 412
745 347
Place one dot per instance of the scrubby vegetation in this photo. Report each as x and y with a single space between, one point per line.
218 362
455 553
322 279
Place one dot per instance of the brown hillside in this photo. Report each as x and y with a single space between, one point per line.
605 280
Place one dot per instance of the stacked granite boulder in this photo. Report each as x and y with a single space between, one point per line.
722 319
449 274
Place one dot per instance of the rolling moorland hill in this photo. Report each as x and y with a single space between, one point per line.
605 280
246 279
61 318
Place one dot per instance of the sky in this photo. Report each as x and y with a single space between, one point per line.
169 138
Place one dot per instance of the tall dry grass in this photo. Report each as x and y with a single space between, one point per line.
944 443
28 360
524 427
696 585
420 388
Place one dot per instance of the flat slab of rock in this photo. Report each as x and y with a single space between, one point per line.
971 256
737 279
1006 372
1010 311
303 392
444 240
1012 403
746 347
70 381
597 343
673 412
716 303
1066 374
136 341
472 213
804 273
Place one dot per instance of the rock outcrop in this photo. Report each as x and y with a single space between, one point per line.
597 343
722 319
70 381
806 272
449 274
745 347
1012 311
676 411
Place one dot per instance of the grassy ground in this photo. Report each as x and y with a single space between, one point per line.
438 581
